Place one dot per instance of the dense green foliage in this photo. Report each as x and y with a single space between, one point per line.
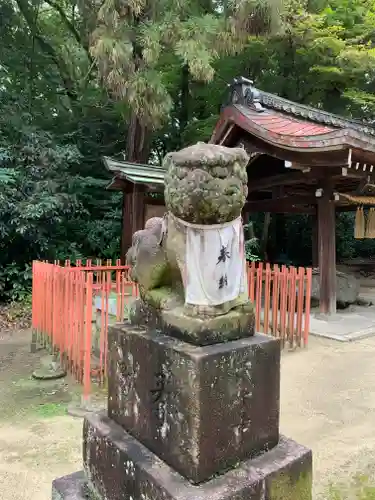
79 80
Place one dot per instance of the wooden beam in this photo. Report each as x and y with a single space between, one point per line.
293 204
298 177
227 133
327 249
351 174
346 208
280 210
286 179
320 157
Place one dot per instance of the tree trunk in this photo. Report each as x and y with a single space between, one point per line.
184 101
138 145
138 148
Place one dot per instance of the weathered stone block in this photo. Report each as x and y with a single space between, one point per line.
72 487
200 409
118 467
170 315
200 330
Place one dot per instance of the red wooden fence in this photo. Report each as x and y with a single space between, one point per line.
282 298
63 310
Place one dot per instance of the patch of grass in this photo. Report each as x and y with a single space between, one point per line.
28 398
50 410
36 411
283 487
360 488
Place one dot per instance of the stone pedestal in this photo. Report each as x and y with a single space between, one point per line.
117 467
189 423
201 409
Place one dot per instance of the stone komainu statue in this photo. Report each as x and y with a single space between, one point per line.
190 265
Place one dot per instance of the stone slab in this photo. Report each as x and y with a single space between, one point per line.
200 409
345 326
348 325
72 487
119 467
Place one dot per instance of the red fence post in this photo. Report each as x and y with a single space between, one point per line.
251 281
292 305
34 288
258 296
275 299
307 304
300 299
283 302
104 346
88 331
267 299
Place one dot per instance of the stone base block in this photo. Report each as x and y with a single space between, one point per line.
118 467
191 325
197 329
72 487
200 409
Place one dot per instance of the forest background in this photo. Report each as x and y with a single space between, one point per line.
80 79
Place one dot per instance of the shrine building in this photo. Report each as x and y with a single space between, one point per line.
302 160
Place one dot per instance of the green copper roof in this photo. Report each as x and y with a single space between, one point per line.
135 172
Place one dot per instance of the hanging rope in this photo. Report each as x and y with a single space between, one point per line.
370 229
357 200
359 227
363 228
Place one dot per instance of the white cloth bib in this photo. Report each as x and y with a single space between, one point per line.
215 263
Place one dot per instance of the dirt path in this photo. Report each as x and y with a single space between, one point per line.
327 403
38 442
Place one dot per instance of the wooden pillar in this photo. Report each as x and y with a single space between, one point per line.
315 238
139 209
327 249
127 224
133 216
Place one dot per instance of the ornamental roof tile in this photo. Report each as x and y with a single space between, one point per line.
289 125
272 101
286 125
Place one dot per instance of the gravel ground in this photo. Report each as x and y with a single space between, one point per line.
38 441
327 403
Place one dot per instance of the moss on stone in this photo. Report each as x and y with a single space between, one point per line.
160 274
284 487
206 184
237 323
161 296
